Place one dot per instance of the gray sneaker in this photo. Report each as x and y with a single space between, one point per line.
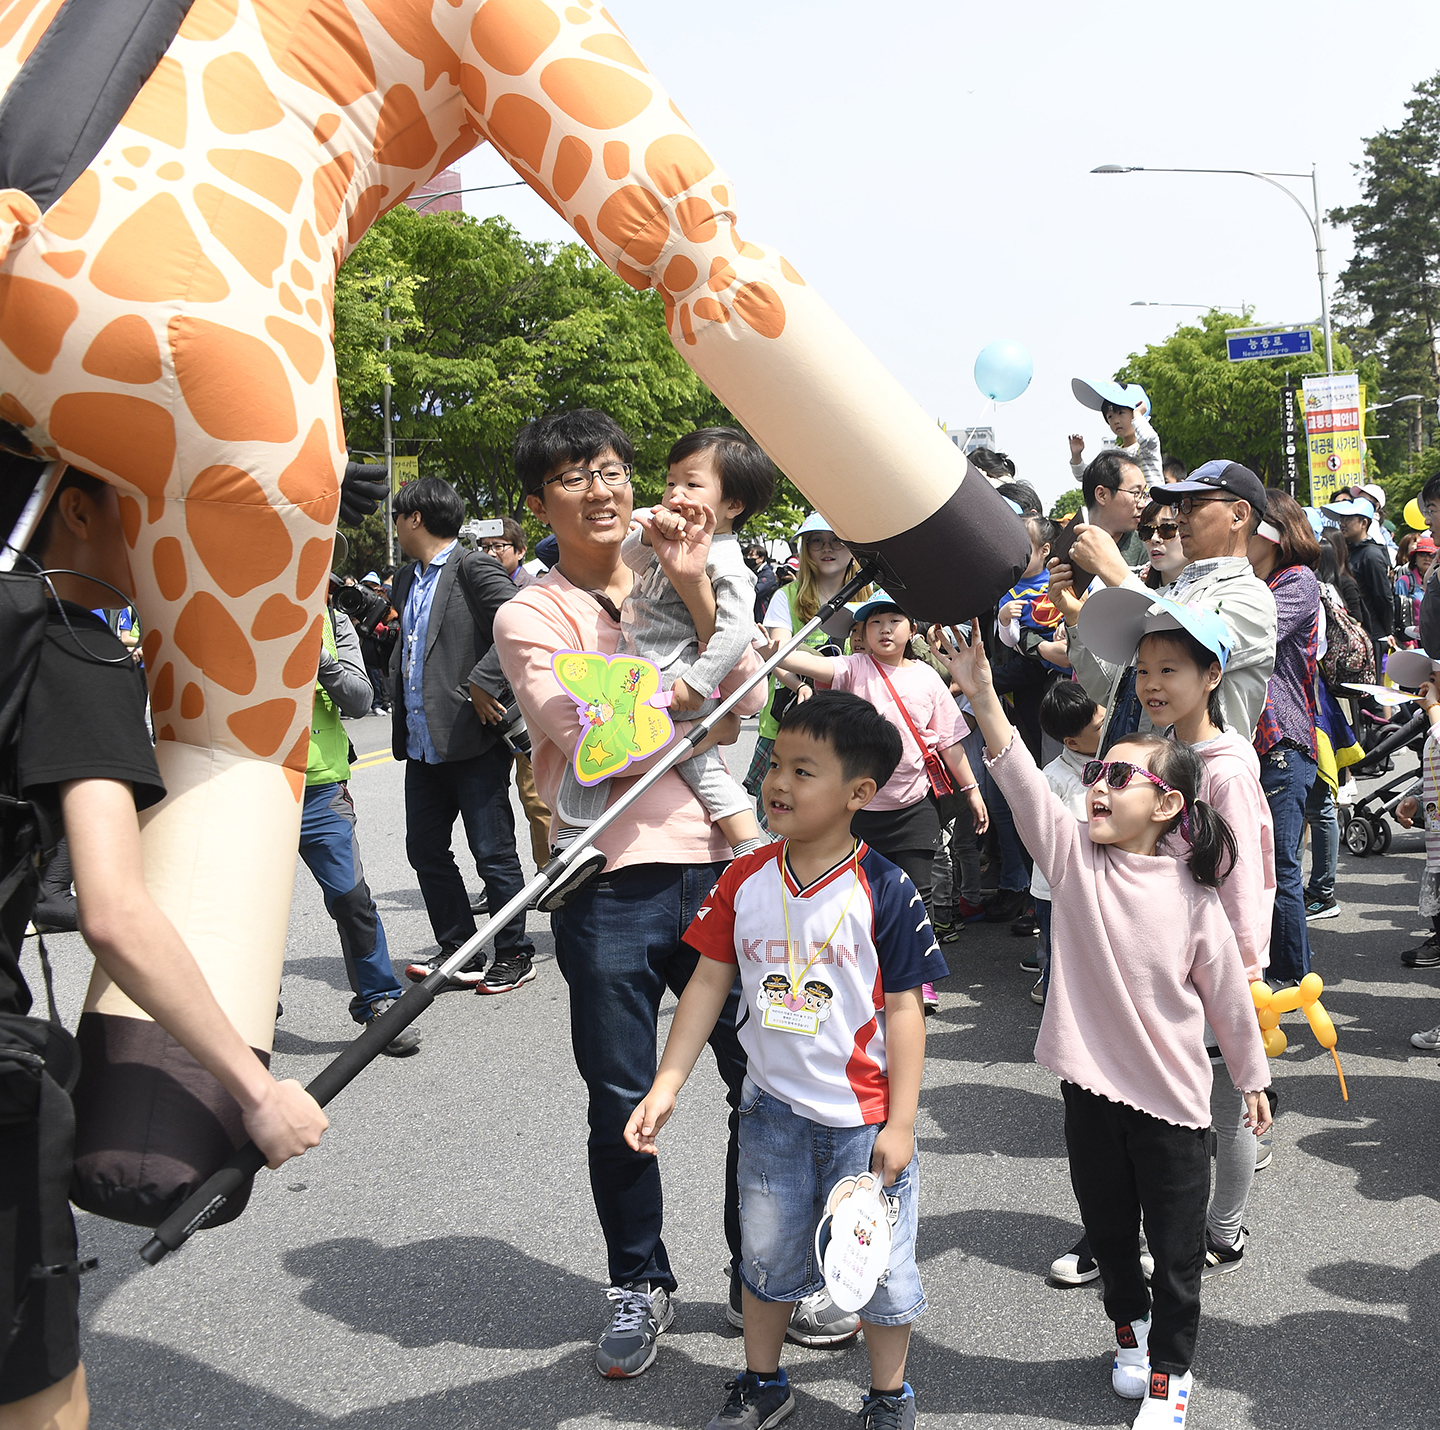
818 1321
814 1321
754 1404
627 1345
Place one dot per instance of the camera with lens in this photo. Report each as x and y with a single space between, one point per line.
366 608
512 728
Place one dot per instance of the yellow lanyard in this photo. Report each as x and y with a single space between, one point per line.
785 907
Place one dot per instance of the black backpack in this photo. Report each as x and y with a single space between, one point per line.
39 1060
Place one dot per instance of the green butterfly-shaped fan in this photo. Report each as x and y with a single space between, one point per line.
618 721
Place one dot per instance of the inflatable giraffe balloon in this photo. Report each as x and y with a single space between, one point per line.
179 182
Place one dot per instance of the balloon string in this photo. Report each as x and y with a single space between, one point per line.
1343 1091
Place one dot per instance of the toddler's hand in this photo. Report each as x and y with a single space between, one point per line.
683 698
648 1119
1406 811
1010 611
1077 447
1257 1113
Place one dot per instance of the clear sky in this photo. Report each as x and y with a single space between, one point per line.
926 166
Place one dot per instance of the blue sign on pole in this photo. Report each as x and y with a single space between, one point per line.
1270 345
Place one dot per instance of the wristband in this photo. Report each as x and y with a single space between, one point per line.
965 789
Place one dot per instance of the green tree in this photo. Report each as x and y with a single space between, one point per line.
1389 303
1206 406
1067 503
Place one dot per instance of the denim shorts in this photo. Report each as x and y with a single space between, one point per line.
788 1166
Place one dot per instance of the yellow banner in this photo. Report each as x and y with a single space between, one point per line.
1333 408
402 470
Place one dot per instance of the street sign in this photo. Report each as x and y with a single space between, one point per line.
1270 345
1289 430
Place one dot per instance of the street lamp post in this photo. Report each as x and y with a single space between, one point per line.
1271 177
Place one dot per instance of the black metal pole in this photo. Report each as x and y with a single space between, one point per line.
208 1200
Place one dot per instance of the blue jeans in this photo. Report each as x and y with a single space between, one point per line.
478 791
618 947
332 854
1324 840
788 1167
1286 776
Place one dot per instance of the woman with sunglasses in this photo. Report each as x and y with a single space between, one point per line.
1142 957
1160 532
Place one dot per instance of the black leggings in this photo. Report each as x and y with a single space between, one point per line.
907 837
1125 1164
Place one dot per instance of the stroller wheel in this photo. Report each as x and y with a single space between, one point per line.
1359 836
1382 835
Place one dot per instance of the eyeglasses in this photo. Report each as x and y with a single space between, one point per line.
1118 774
491 547
821 541
1186 505
581 479
1165 530
1134 493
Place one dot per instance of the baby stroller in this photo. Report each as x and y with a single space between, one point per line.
1364 825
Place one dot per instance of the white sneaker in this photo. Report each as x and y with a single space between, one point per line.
1130 1373
1165 1403
1429 1039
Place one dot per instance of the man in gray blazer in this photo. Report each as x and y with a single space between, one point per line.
446 682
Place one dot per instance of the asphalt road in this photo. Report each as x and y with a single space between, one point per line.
436 1263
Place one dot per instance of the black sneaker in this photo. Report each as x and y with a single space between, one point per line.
1425 955
945 931
403 1043
467 977
1220 1259
480 903
1006 905
1317 906
507 973
1031 962
1025 927
627 1344
889 1412
754 1404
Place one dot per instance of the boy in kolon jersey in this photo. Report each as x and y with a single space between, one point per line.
833 1080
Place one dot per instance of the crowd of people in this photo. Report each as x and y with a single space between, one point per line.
1153 716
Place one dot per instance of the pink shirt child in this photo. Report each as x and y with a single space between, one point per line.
668 824
1143 957
931 707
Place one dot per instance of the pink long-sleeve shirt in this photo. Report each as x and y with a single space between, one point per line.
1232 786
1142 956
668 824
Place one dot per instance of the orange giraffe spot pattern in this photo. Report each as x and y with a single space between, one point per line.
594 94
154 256
162 693
208 637
34 317
208 19
262 728
192 701
159 110
277 617
241 540
510 35
66 264
309 481
321 47
168 560
131 436
262 174
72 216
249 235
124 351
305 658
403 137
522 126
236 96
305 351
233 384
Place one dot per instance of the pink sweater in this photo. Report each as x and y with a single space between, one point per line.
1232 785
668 824
1142 956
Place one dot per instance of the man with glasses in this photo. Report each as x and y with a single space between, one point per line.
1218 508
509 550
618 941
446 682
1116 492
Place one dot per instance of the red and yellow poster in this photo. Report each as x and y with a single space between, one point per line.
1333 407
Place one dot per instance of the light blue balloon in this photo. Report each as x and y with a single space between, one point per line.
1004 369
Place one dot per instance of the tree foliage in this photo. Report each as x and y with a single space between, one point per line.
1206 406
1389 303
1067 503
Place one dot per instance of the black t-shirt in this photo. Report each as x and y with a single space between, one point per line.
83 719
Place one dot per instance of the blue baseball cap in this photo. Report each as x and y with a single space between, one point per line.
814 522
1350 508
371 578
1114 621
1093 394
881 601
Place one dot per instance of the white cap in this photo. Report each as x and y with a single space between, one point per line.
1374 492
